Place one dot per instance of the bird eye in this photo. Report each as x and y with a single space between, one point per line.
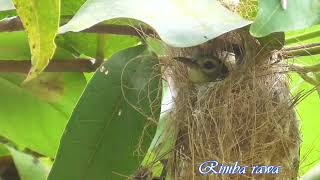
209 65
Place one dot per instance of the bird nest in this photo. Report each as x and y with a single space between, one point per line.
247 119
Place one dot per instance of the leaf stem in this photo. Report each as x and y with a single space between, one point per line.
302 50
75 65
15 24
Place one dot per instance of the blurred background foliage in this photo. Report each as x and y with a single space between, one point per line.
33 116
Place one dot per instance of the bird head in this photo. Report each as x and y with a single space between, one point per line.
204 68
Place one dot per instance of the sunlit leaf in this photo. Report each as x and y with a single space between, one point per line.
303 36
103 133
14 46
3 151
34 117
40 18
70 7
179 23
86 43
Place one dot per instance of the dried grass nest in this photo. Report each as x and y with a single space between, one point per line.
248 117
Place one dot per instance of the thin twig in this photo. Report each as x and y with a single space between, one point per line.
305 69
304 46
302 50
76 65
15 24
120 30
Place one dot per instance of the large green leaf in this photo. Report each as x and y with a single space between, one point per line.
49 99
3 151
303 36
308 109
86 43
308 113
312 174
14 46
70 7
163 139
29 168
35 115
272 17
179 23
104 130
40 18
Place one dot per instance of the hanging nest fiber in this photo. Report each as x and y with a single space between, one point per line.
247 118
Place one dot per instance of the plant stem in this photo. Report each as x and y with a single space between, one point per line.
15 24
302 50
75 65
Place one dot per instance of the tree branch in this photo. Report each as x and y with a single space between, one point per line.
11 24
76 65
298 47
15 24
302 50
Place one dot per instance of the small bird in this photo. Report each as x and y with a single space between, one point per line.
204 69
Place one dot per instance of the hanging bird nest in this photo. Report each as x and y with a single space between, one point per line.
246 118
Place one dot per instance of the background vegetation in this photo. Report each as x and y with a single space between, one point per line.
38 101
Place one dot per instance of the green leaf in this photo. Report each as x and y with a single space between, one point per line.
4 151
14 46
40 18
184 23
35 115
29 168
104 131
248 9
274 41
312 174
70 7
86 43
307 111
6 5
273 18
163 140
303 36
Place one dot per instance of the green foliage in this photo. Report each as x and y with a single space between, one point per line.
272 17
106 125
179 26
29 167
248 9
34 116
308 108
303 36
274 41
3 151
70 7
41 26
86 43
14 46
307 111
